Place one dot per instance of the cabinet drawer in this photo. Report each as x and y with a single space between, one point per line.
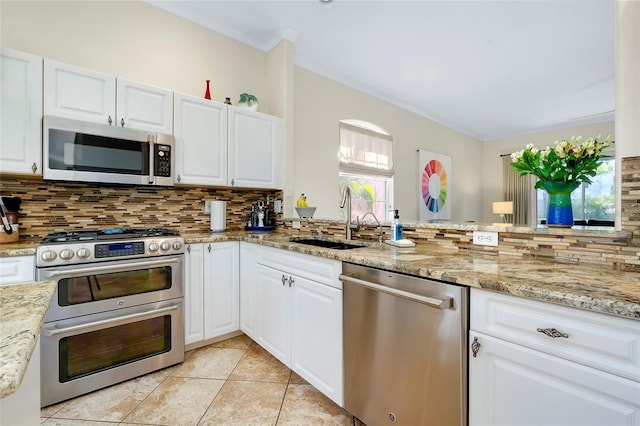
601 341
325 271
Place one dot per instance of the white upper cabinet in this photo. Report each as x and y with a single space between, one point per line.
201 141
255 149
221 145
145 107
82 94
79 93
20 112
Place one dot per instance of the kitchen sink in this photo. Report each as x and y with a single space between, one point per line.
336 245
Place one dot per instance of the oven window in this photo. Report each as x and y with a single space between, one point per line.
100 350
90 288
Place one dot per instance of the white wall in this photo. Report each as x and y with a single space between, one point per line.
321 103
492 171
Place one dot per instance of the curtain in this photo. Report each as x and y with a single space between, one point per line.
365 151
516 188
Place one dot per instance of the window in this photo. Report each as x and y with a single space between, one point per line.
590 202
366 166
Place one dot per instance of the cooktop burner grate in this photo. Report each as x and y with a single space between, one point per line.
107 234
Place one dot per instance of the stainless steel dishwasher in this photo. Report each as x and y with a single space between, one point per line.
405 359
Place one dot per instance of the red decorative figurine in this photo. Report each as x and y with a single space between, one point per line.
207 94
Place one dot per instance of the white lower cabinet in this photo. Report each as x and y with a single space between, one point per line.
547 381
17 269
248 292
211 291
297 314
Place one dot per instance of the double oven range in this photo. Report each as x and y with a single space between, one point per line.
118 308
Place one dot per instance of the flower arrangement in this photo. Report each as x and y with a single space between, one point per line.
570 160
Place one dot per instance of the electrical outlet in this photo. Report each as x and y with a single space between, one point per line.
207 206
485 238
277 206
295 224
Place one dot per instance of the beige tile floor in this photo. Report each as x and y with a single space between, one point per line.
233 382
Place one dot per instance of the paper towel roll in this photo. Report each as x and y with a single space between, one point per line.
218 215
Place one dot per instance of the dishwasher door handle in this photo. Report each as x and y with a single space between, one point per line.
444 303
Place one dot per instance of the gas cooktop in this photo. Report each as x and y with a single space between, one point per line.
101 245
107 234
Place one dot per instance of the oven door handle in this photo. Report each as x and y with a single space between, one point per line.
95 270
97 325
444 303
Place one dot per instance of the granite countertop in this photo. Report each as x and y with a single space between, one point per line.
585 286
22 311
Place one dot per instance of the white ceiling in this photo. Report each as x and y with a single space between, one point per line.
489 69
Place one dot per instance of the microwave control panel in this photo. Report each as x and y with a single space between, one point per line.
162 160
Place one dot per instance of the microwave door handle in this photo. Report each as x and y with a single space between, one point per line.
151 143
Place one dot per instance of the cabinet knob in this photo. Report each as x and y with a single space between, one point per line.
552 332
34 167
122 122
475 347
110 120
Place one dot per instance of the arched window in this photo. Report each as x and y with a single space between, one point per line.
366 166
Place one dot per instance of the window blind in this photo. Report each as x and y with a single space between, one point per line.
365 151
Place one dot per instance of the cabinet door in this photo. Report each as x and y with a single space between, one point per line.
18 269
513 385
316 336
193 294
221 289
200 141
20 112
274 314
248 289
78 93
255 146
144 107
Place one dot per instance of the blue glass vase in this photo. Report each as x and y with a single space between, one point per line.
560 213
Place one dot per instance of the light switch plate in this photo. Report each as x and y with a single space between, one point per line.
485 238
295 224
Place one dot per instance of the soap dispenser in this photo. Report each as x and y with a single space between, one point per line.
396 227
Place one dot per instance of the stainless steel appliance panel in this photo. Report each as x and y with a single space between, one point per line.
136 283
404 349
70 368
81 151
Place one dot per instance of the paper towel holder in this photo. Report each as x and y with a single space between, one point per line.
218 216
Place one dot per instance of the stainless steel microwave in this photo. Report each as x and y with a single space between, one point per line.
81 151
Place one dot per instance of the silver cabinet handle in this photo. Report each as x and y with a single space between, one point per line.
112 322
34 167
291 281
209 248
179 178
122 122
110 120
284 279
444 303
552 332
232 182
475 347
189 249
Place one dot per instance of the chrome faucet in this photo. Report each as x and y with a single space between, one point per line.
346 200
380 235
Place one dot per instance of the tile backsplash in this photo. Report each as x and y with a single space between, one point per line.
48 206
